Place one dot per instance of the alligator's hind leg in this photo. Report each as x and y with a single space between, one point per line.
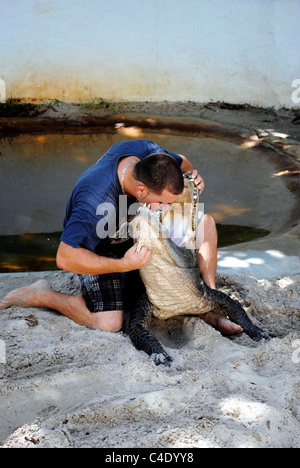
235 312
140 336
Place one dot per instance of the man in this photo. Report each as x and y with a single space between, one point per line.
139 170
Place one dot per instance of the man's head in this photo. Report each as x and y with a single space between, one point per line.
160 177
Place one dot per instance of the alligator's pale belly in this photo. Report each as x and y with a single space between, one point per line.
172 290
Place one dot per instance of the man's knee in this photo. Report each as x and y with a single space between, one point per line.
111 321
209 224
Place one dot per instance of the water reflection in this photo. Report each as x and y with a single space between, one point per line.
36 252
38 172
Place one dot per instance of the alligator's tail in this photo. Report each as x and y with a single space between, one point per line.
234 311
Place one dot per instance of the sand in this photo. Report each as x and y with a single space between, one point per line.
65 385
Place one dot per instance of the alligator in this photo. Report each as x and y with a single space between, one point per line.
173 285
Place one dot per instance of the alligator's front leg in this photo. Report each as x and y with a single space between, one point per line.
140 336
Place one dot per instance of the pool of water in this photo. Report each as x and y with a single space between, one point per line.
38 173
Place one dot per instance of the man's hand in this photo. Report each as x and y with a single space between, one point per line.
198 181
134 260
187 167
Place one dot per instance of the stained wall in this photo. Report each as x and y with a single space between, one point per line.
237 51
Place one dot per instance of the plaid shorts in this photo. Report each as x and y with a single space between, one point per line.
115 291
103 293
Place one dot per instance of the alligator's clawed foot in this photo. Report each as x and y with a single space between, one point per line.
162 358
257 334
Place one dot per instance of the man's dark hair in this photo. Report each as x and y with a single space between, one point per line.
160 171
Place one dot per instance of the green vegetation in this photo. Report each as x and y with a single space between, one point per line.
15 108
95 104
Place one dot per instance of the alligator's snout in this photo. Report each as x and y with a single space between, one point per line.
146 212
146 224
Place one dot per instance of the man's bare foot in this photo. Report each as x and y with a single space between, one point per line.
25 297
222 324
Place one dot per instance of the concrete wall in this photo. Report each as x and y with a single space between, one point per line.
221 50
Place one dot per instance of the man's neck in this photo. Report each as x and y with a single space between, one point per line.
125 170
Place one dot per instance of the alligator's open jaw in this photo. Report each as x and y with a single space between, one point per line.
178 223
174 224
147 226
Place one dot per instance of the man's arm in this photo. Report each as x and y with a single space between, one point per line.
186 166
84 262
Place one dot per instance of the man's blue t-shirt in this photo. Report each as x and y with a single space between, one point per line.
95 197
